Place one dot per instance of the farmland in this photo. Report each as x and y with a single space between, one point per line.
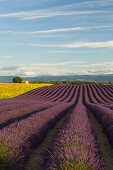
77 120
8 90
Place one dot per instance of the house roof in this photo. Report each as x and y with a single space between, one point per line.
24 81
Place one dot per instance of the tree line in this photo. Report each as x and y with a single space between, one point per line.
19 79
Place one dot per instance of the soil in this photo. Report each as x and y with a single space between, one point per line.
105 147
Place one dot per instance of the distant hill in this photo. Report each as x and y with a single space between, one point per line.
96 78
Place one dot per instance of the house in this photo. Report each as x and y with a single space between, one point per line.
24 81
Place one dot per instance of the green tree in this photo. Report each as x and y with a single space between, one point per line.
17 79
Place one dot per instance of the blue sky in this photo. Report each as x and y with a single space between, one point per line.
56 37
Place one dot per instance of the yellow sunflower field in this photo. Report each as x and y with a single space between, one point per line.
8 90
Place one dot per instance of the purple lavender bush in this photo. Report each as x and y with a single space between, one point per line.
105 117
10 116
17 139
74 146
105 92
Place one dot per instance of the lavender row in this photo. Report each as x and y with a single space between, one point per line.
40 90
32 93
55 94
61 93
71 94
52 96
64 94
47 91
74 146
74 100
17 139
9 117
110 106
80 98
47 94
96 95
91 95
105 92
11 106
102 95
86 95
109 90
105 117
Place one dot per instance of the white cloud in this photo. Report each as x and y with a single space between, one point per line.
55 69
59 11
100 71
5 32
56 64
90 4
7 56
35 70
105 27
80 51
55 51
89 44
70 29
59 64
29 73
45 13
98 3
105 64
62 30
104 44
9 68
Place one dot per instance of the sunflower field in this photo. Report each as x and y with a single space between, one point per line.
8 90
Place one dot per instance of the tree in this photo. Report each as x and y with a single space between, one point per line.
17 79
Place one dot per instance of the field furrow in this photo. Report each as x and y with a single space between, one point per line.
104 145
37 155
74 146
41 123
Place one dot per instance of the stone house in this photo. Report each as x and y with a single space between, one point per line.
24 81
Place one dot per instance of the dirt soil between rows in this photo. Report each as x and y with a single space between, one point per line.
105 147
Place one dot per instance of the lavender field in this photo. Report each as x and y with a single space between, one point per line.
26 120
